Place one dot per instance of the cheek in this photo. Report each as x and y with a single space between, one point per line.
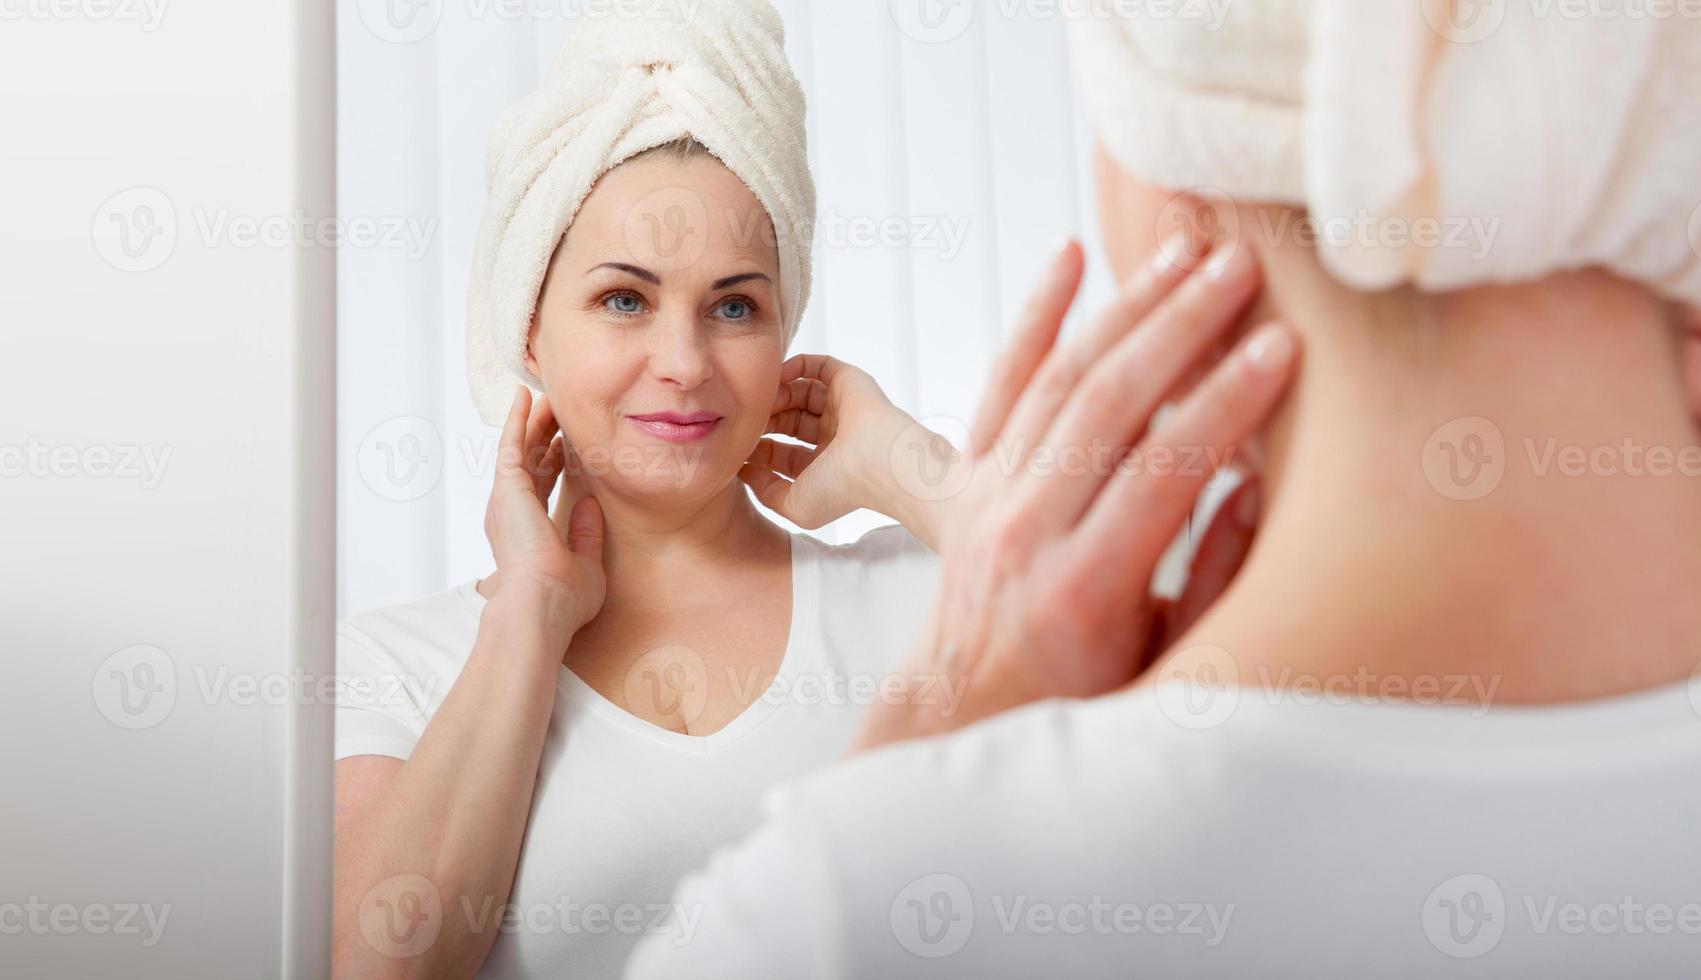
582 371
752 375
1130 214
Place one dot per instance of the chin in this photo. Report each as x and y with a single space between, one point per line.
670 483
669 473
639 466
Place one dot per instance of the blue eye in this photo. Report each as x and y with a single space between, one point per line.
625 304
735 309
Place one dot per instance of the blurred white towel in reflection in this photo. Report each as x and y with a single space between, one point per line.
1448 143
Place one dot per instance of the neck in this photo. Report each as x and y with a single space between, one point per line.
643 540
1399 538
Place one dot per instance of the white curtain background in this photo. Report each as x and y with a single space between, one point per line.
949 154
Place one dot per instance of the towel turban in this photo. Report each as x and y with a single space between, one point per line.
711 70
1574 138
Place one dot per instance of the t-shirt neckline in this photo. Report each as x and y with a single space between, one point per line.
805 584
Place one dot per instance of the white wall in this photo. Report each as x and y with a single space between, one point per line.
965 133
138 142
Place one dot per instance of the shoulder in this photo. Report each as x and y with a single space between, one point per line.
884 561
1023 773
982 797
839 854
890 545
871 596
1040 749
427 636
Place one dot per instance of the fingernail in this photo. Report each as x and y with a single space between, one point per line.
1230 265
1251 503
1271 348
1175 254
1060 255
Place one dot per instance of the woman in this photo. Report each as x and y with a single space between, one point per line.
693 628
606 708
1447 720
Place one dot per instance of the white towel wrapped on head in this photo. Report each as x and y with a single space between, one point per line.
1513 144
712 70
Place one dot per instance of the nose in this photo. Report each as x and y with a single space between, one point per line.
679 352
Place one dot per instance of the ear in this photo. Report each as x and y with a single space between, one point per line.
530 359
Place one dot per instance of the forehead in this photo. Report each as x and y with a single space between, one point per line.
674 216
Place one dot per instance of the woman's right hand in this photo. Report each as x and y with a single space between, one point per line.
560 565
1046 575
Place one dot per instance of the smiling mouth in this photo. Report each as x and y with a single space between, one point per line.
678 427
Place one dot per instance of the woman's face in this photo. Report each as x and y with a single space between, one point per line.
658 331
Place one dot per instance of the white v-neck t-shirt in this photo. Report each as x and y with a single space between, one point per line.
623 808
1175 832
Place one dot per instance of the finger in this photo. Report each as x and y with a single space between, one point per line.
798 424
802 393
1217 560
1200 369
1035 334
817 367
510 448
1114 401
575 476
541 427
1145 504
1064 366
575 485
770 488
785 458
548 469
584 528
1692 358
1158 633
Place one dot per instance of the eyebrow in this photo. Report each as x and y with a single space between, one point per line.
735 280
653 279
636 270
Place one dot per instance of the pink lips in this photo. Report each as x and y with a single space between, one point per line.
678 427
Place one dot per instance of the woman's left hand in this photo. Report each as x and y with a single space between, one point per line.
852 429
